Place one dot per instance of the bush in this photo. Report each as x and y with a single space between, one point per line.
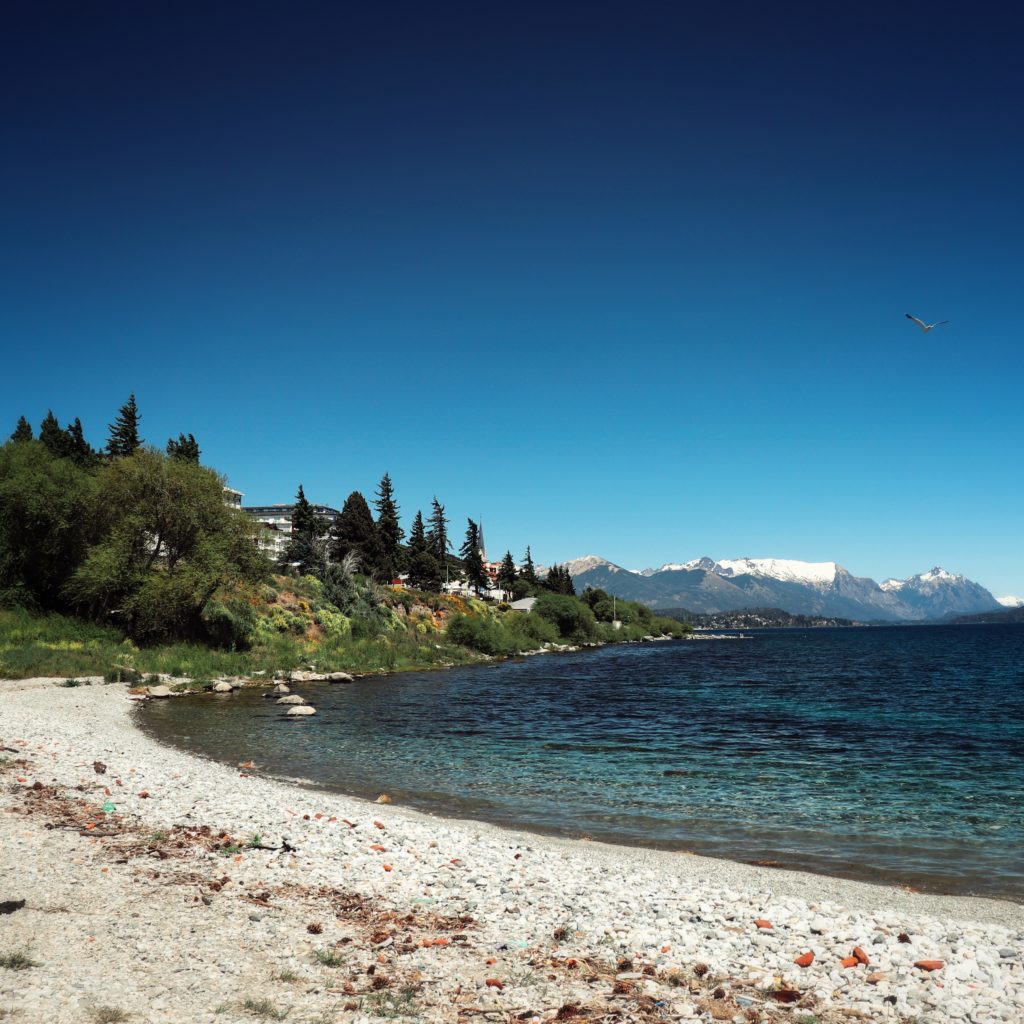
230 624
570 616
480 634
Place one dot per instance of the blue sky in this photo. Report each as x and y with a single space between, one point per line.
619 279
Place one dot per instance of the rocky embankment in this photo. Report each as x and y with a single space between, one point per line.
162 887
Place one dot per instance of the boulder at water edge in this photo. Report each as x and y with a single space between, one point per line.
293 698
222 687
303 709
159 691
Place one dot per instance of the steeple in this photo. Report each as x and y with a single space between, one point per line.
480 539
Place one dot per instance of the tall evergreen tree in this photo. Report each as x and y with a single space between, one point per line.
472 560
559 580
529 571
185 448
389 531
80 450
507 572
305 548
124 431
54 437
424 572
356 532
23 431
417 536
437 535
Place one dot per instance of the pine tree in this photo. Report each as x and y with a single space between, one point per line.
437 535
23 431
559 580
54 437
529 570
124 431
389 531
185 448
417 536
424 572
507 572
305 547
356 532
80 450
472 560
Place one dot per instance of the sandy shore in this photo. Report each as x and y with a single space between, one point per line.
161 910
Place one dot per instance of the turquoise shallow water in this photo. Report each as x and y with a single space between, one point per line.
890 754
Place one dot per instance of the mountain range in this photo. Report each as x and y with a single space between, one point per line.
800 588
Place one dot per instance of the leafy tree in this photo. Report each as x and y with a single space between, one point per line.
45 503
424 572
507 572
166 543
305 548
437 535
54 437
124 431
472 559
79 450
355 532
23 431
185 448
573 619
390 533
418 536
529 571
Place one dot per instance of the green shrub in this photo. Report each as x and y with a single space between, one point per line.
230 624
570 616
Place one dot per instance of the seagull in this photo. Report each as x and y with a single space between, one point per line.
926 327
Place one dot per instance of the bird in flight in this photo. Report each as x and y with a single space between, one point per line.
926 327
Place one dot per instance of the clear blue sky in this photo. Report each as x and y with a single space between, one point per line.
626 279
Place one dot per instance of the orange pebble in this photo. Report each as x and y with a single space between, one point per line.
804 959
387 867
21 778
379 824
378 847
861 955
493 983
762 923
665 949
318 815
381 958
491 960
849 961
929 965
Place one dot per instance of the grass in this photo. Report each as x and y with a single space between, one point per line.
62 646
17 960
287 976
328 958
107 1015
264 1009
392 1004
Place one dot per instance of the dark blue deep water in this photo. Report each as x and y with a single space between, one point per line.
890 754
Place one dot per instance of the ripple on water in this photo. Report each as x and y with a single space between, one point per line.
887 754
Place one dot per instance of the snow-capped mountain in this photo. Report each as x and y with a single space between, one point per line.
1011 602
807 588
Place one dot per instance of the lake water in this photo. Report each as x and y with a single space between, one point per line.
889 754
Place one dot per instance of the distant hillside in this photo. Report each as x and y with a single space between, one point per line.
1010 615
818 589
753 618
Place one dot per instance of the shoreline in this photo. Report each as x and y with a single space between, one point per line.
601 902
593 838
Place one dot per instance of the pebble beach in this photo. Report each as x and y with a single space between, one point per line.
165 887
